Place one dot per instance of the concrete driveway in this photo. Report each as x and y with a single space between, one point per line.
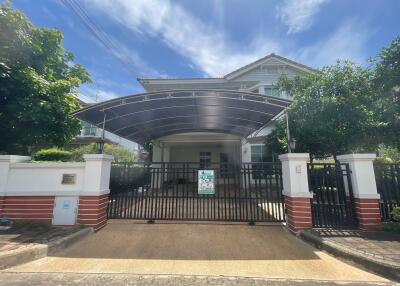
213 249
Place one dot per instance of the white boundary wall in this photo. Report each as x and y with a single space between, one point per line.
19 178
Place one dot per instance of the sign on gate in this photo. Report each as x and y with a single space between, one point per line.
206 182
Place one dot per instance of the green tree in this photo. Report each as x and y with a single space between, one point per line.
332 111
37 84
387 83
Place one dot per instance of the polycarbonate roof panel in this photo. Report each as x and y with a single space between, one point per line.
149 116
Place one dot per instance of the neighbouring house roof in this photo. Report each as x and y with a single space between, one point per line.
261 61
229 76
148 116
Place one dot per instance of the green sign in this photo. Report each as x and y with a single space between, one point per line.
206 182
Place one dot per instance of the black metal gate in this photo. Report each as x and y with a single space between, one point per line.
388 184
169 191
333 201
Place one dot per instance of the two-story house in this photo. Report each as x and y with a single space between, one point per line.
202 120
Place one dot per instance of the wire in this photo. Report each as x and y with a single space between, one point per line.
97 32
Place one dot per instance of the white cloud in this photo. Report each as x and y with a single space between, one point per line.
204 45
210 49
298 15
348 42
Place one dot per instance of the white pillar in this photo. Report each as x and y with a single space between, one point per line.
246 151
294 175
296 192
156 152
97 174
5 162
366 197
362 174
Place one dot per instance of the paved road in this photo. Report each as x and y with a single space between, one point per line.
230 250
39 279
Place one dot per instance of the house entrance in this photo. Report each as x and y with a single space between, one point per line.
170 191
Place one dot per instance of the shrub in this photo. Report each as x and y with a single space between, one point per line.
396 214
77 154
391 153
121 154
384 160
53 155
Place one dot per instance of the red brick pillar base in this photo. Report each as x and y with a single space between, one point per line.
368 213
92 211
298 214
2 198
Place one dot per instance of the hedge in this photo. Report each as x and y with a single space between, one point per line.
53 155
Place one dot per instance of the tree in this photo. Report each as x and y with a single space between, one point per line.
37 84
120 153
387 83
332 111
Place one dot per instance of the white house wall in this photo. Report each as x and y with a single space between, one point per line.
266 75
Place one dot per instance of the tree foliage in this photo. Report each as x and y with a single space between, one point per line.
37 82
332 111
387 84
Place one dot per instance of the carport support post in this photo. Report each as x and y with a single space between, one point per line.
93 201
366 197
296 192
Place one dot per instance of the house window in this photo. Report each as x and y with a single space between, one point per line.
89 129
205 160
258 153
271 91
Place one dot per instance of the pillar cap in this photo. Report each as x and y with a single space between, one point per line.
357 157
98 157
294 156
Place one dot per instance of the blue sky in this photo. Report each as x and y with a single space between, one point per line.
210 38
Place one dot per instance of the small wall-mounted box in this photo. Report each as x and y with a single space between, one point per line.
68 179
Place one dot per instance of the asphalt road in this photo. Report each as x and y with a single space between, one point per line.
33 279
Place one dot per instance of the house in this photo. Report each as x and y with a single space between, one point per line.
93 134
202 120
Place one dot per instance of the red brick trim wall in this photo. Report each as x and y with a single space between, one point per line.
33 208
1 205
368 213
92 211
298 214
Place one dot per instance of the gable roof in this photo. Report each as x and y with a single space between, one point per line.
231 75
258 62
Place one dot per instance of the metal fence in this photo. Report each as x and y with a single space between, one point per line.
332 203
388 184
155 191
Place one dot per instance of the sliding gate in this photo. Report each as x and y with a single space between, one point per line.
156 191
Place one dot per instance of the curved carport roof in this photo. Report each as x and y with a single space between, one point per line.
148 116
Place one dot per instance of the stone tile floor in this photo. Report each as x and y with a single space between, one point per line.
378 244
26 235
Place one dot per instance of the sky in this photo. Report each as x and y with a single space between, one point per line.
118 41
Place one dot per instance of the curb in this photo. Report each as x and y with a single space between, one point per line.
387 269
30 253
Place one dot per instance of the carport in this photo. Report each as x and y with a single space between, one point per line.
165 189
